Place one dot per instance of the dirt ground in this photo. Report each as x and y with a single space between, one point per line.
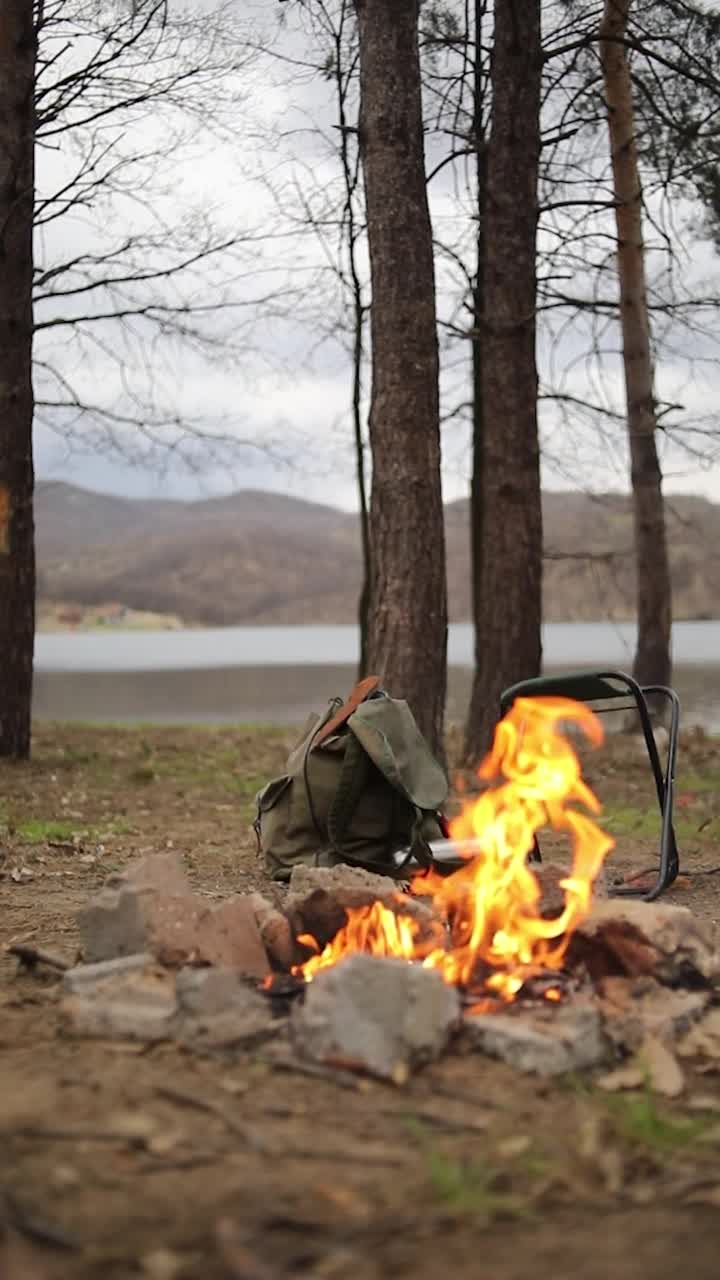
121 1161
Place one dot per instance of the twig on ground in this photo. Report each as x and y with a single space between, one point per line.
30 957
184 1162
185 1099
73 1134
345 1079
27 1224
473 1125
346 1156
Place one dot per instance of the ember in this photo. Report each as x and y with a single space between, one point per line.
490 935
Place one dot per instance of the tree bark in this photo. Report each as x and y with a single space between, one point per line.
508 638
407 635
478 305
654 593
17 543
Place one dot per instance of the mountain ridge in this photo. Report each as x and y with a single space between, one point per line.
258 557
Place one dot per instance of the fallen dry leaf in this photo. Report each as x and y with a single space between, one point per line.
664 1071
163 1264
628 1077
159 1144
137 1126
348 1201
703 1102
509 1148
705 1195
21 875
702 1040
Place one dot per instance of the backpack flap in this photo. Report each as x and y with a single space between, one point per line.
387 730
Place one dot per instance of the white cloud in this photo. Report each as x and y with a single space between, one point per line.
289 382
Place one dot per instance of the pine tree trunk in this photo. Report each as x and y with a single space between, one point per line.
654 595
508 639
407 636
17 554
478 305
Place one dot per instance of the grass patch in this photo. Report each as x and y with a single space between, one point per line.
626 820
471 1186
42 831
698 783
640 1122
36 831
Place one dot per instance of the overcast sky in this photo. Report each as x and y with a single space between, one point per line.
287 393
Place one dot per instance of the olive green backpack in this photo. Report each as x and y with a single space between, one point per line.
360 785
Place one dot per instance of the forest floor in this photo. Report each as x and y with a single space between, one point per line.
471 1169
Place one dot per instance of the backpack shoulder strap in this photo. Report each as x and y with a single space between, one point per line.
354 776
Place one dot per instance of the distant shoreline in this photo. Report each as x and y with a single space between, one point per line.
54 620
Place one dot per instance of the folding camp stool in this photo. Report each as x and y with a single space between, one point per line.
614 691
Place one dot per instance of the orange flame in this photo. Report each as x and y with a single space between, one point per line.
489 908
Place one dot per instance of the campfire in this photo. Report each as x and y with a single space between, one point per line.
487 934
534 966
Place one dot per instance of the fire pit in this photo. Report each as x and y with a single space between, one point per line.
347 968
487 934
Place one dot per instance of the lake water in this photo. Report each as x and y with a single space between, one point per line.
280 673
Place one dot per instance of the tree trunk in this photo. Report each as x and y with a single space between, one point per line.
17 550
407 639
654 606
478 296
508 639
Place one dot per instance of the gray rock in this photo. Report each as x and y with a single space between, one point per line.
164 872
376 1015
634 1008
351 887
123 999
205 992
178 928
564 1040
669 942
231 1027
112 924
83 977
217 1008
138 1006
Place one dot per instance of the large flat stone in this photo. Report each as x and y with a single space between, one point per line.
546 1043
176 928
83 978
164 872
139 1006
127 999
351 887
634 1008
320 897
376 1015
217 1008
662 940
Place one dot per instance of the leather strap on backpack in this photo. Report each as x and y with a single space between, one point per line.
360 692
